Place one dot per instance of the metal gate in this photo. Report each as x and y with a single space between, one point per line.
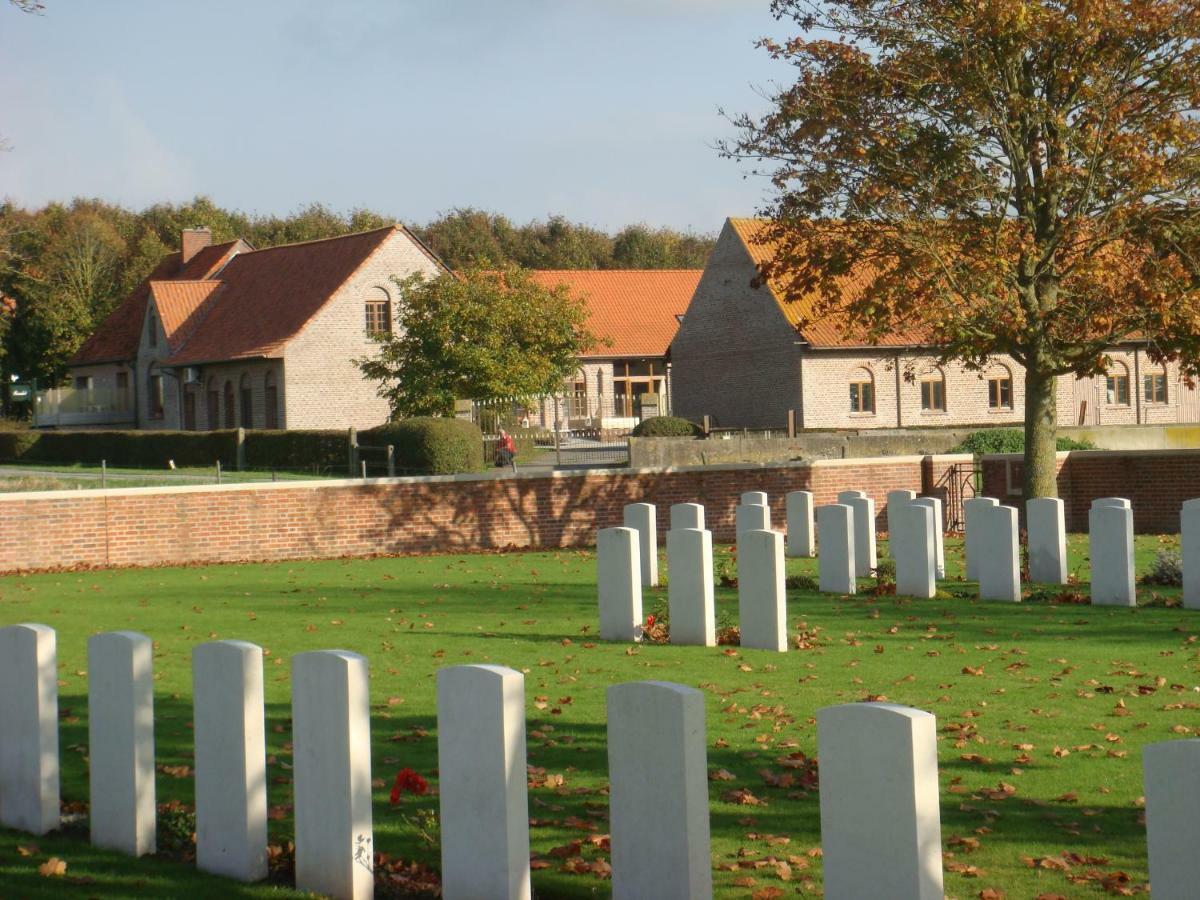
958 483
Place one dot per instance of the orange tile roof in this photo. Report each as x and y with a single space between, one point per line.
634 308
116 339
269 295
830 330
182 305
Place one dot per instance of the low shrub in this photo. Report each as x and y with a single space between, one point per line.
438 446
667 426
1010 440
1167 569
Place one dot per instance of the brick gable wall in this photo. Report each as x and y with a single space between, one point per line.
324 388
734 357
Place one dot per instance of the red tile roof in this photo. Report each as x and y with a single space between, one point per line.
269 295
831 330
634 308
116 340
182 305
233 302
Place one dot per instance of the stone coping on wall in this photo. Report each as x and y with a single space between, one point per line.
331 483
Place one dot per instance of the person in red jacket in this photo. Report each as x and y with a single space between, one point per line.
506 450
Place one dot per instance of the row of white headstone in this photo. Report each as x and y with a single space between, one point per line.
880 818
628 556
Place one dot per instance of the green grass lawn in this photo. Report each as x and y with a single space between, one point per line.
1042 710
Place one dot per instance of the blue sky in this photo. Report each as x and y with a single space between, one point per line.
604 111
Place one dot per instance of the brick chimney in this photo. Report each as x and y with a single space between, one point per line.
194 240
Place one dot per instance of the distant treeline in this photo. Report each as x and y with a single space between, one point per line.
65 266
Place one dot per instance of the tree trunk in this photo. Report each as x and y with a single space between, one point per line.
1041 433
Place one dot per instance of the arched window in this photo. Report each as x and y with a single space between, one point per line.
862 392
1117 384
214 404
379 312
271 401
247 401
1000 392
577 393
154 393
933 390
151 329
1154 384
230 408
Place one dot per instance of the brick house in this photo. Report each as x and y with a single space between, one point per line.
741 357
638 311
222 336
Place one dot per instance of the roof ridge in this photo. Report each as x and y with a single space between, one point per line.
325 240
629 271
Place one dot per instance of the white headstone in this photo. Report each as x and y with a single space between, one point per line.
687 515
835 563
896 499
801 529
1000 568
690 587
29 798
1117 502
1110 543
910 531
618 565
939 533
121 741
754 498
643 518
1172 790
752 517
880 822
1046 529
658 792
331 752
1189 521
864 529
973 512
231 759
481 773
762 599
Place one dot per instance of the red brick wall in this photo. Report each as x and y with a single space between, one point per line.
1156 482
157 526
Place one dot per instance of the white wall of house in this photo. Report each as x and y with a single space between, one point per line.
324 388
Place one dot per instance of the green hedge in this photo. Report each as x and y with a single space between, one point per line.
131 449
1010 440
667 426
298 450
429 444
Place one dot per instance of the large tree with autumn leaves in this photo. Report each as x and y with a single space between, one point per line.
1008 177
